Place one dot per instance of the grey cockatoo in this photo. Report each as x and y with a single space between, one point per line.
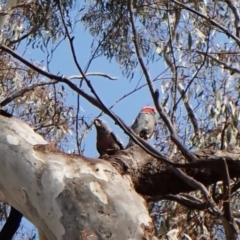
107 141
144 124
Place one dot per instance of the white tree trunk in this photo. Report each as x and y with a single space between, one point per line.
66 196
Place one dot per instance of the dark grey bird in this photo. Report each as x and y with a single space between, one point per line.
107 141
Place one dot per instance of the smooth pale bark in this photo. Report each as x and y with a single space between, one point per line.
67 196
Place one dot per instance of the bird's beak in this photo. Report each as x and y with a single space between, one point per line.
97 123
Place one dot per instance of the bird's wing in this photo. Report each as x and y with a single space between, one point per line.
138 123
150 124
117 140
99 149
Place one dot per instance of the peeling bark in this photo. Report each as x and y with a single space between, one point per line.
72 197
67 196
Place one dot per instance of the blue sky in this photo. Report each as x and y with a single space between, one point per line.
109 91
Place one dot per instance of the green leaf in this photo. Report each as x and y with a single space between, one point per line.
189 41
229 134
200 94
235 120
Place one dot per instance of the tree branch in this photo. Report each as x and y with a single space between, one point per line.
226 66
214 23
51 188
22 92
147 172
93 74
143 144
231 5
154 93
199 186
183 199
231 228
12 224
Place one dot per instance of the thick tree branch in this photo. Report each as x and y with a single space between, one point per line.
199 186
148 148
149 174
143 144
14 219
139 141
52 189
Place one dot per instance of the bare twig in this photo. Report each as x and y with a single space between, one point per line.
183 93
214 23
143 144
22 92
188 107
208 163
225 65
174 64
155 94
230 225
100 43
76 123
199 186
234 8
93 74
184 199
191 157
